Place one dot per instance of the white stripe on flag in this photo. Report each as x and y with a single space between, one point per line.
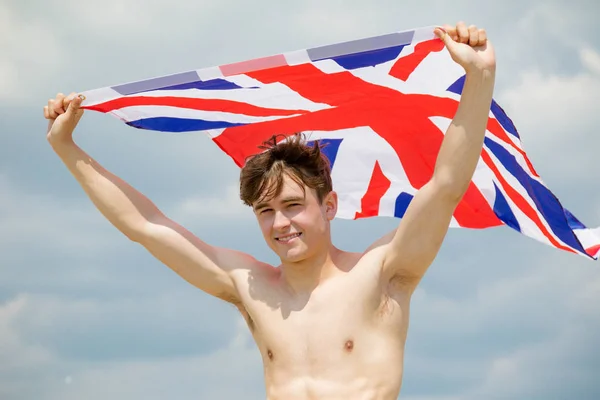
519 158
589 238
528 226
141 112
274 95
96 96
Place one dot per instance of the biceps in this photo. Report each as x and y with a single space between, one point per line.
204 266
420 233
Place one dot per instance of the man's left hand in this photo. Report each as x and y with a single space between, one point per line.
468 46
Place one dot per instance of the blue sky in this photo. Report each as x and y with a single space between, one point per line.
86 314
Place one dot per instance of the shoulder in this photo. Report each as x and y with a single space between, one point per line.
381 244
250 271
236 262
362 264
396 279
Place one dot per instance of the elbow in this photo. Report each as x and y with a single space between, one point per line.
137 231
134 236
146 230
133 233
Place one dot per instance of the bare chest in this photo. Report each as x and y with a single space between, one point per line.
349 317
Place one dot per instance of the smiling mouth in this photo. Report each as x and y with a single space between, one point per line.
287 238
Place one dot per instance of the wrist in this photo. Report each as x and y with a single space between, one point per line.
479 72
62 145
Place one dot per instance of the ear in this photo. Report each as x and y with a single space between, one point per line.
331 205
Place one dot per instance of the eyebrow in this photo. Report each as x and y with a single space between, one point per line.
290 199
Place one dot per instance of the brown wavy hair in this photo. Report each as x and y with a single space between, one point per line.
262 177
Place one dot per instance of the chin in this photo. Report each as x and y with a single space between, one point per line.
293 255
300 251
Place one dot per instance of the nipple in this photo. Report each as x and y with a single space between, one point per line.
349 345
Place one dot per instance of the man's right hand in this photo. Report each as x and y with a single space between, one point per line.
63 114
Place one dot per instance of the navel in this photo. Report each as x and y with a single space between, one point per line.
270 354
349 345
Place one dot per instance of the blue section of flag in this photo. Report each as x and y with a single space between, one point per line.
573 222
503 119
330 149
457 87
545 202
402 203
499 114
503 211
368 58
213 84
167 124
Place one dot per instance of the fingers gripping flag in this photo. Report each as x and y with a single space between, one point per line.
382 104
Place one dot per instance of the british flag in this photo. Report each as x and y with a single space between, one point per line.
382 104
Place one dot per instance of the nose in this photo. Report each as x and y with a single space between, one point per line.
280 222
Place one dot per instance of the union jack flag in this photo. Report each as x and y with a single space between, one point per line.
382 104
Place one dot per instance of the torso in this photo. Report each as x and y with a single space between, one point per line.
345 341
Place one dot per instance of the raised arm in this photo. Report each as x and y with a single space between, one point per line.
202 265
418 238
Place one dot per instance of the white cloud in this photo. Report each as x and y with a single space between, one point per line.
540 321
114 18
341 21
17 354
586 298
27 320
226 205
22 361
46 220
548 283
522 372
591 60
231 372
31 52
8 77
55 243
555 115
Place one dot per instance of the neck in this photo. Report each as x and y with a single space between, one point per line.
304 276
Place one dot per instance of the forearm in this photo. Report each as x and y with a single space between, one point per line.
463 141
125 207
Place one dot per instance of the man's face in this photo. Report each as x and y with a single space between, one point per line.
294 224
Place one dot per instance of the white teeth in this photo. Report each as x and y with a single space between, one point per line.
286 238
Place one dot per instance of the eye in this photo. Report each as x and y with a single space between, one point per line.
266 210
293 204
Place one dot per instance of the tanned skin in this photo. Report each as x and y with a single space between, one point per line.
329 324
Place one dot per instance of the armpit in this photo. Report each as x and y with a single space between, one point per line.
240 307
401 281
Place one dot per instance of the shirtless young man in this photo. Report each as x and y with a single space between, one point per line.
329 324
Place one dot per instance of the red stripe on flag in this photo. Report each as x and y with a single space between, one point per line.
241 142
378 185
233 107
474 211
337 89
591 251
520 202
405 66
496 129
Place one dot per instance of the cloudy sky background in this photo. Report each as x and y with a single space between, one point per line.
85 314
